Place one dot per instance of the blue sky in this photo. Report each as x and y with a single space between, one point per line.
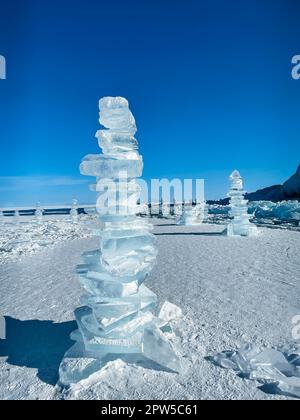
209 83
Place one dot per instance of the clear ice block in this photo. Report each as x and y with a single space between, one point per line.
117 319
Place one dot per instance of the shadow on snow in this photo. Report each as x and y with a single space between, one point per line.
37 344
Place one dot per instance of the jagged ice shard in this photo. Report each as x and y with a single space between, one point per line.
240 224
116 319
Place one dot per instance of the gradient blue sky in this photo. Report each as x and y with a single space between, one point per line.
209 83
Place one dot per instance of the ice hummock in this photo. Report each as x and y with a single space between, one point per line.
288 211
117 317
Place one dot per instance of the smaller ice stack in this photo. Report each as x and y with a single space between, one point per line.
240 224
193 215
39 214
117 317
17 217
74 211
202 211
1 217
166 210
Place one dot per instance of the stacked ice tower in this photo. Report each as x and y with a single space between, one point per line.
240 224
117 319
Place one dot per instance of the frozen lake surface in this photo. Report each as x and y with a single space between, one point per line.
231 290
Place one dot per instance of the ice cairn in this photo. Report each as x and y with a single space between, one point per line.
177 208
116 320
1 217
39 214
17 217
240 224
165 210
193 215
74 211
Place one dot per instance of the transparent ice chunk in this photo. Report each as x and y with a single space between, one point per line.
290 386
123 246
99 165
115 142
157 347
110 313
115 114
78 364
267 366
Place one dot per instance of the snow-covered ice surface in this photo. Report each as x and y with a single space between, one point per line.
231 290
28 236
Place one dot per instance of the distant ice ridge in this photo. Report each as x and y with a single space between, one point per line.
117 318
284 210
240 224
